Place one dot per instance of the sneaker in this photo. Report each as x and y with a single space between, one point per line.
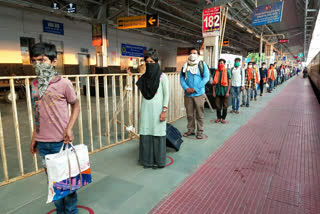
217 120
242 105
223 121
232 111
261 95
247 105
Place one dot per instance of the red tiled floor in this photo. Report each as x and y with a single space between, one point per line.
270 165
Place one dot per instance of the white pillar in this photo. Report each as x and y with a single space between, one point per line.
102 51
211 51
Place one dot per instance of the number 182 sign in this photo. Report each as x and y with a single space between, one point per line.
211 22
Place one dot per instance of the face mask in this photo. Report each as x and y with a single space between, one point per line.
263 66
193 57
220 67
237 64
142 63
249 66
44 73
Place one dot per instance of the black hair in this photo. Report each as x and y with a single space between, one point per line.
222 60
250 63
263 63
153 54
237 59
272 64
253 63
46 49
193 48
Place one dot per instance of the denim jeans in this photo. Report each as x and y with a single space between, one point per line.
235 91
68 204
253 91
270 82
246 96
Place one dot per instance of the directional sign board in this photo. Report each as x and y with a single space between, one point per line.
211 21
267 14
131 22
283 40
225 43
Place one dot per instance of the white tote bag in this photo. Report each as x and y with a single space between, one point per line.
68 171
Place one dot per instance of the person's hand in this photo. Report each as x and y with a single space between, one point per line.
241 88
193 90
227 94
163 116
214 93
68 136
33 147
189 90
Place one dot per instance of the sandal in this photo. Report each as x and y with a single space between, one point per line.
199 136
217 120
188 133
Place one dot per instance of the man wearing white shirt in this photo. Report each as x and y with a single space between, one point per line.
237 84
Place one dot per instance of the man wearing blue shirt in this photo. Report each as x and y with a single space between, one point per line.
193 78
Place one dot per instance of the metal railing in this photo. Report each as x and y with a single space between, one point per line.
116 120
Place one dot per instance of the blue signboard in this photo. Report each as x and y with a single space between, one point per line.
247 60
284 58
52 27
300 54
267 14
132 50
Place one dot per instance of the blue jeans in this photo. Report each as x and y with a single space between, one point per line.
68 204
235 91
253 91
270 82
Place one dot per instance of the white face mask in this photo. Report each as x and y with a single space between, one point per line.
249 66
142 62
193 57
263 66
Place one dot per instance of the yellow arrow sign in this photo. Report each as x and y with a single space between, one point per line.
151 20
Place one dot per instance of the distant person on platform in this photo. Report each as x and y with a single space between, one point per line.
271 77
254 92
193 78
154 87
249 84
237 84
51 95
263 77
221 90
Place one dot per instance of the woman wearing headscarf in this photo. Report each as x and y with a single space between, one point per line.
154 87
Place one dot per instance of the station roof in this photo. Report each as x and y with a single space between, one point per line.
182 19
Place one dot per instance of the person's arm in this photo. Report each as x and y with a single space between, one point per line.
229 84
254 80
242 77
68 133
183 82
33 145
166 92
204 79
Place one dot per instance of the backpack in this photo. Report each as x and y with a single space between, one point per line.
200 66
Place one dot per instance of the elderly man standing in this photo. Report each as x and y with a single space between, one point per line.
193 78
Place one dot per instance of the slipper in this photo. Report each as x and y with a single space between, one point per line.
188 133
199 136
217 120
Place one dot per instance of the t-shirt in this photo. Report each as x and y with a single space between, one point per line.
222 90
51 112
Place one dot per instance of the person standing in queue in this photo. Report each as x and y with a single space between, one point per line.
154 86
237 84
193 78
249 83
254 91
263 77
221 90
271 77
51 95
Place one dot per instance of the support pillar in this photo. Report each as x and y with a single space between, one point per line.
211 51
102 51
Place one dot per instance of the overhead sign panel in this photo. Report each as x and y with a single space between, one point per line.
131 22
52 27
283 40
211 21
267 14
132 50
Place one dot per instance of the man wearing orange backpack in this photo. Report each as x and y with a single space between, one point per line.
271 77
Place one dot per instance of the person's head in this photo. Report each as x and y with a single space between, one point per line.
271 65
151 56
221 64
250 65
141 62
254 64
194 51
237 62
263 65
44 53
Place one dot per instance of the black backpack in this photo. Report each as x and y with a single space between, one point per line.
200 66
